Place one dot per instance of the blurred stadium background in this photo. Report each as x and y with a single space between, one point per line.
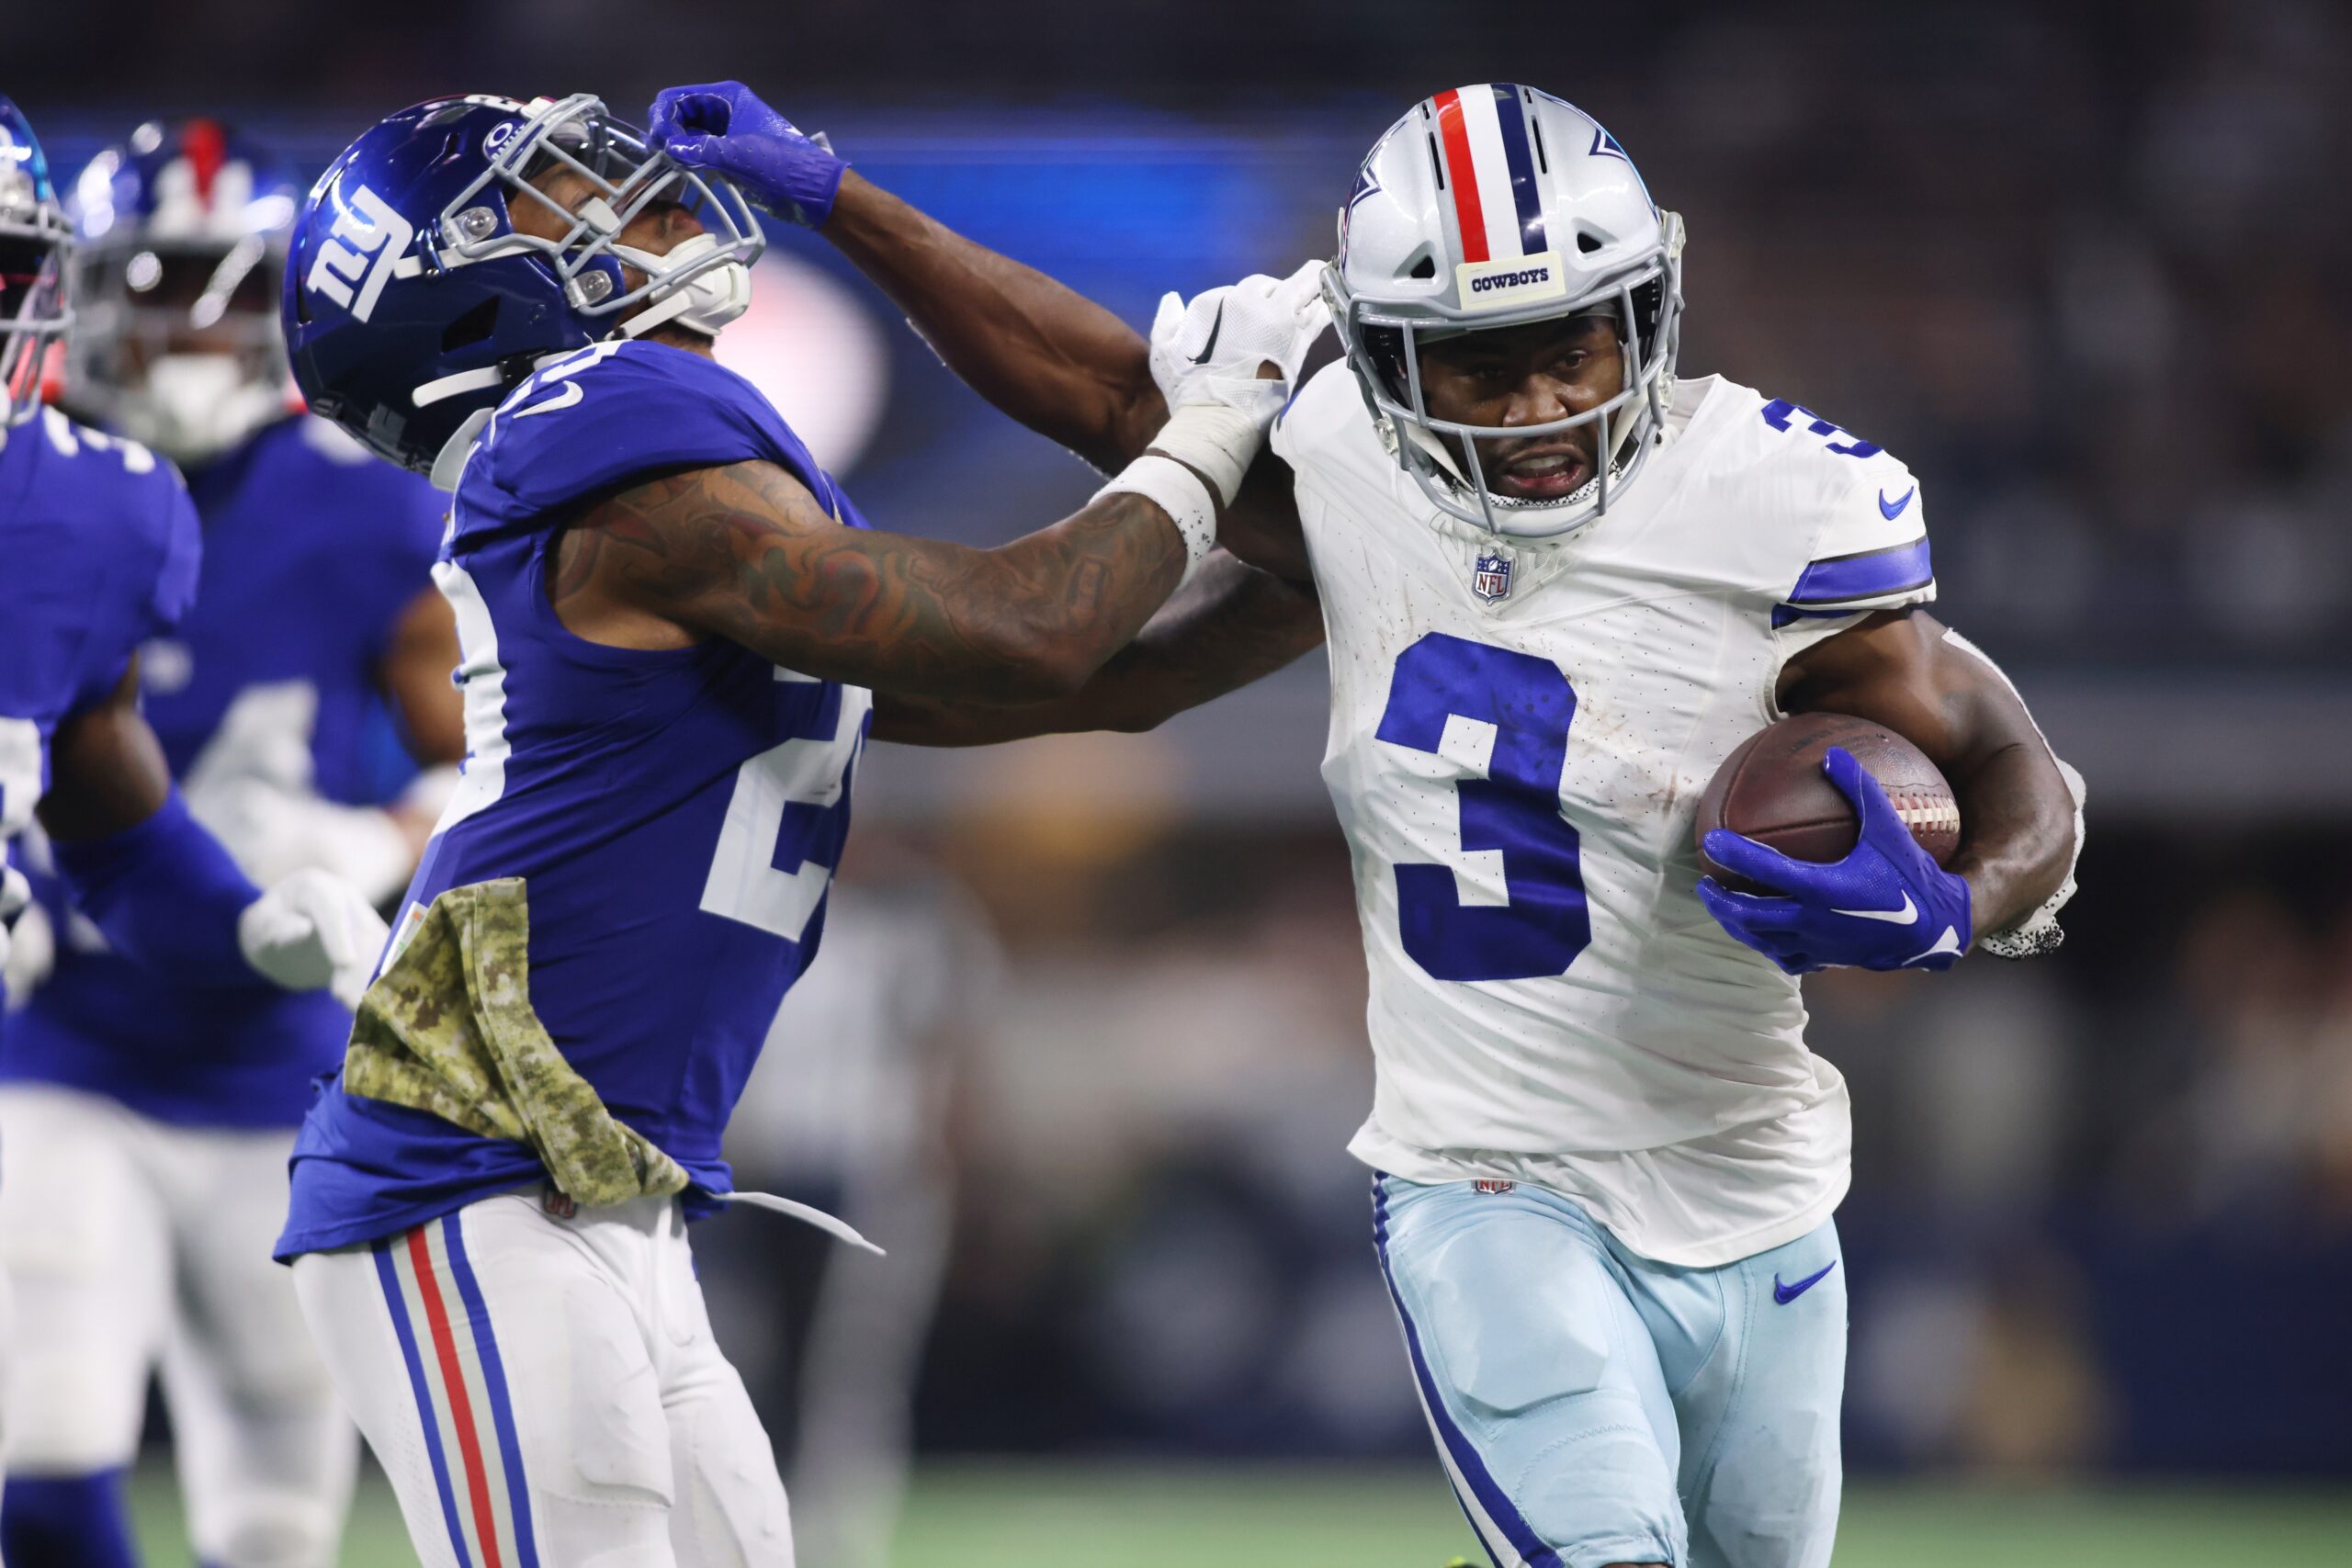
2083 265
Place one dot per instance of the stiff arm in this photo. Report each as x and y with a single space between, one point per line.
1066 368
1230 626
745 552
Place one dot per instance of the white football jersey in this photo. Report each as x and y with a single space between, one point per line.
1519 735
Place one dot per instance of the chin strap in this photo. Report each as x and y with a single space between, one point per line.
702 303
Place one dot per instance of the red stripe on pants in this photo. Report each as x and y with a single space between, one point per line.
461 1410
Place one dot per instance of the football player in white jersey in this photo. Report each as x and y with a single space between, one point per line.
1559 585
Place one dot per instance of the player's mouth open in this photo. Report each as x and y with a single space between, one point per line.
1542 471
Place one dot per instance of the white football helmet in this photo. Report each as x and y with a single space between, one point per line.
1497 206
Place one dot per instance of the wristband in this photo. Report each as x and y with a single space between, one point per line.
1178 491
1219 441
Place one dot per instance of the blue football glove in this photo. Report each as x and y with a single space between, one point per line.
723 127
1886 906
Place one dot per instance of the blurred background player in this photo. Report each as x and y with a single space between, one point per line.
154 1120
102 548
672 621
849 1107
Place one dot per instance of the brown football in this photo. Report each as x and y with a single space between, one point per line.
1773 790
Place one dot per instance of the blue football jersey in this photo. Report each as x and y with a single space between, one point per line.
675 815
98 553
312 550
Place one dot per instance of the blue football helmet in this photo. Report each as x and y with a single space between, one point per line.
179 236
36 241
412 306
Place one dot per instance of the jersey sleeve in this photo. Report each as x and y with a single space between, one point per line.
1305 426
156 556
591 423
182 537
1869 553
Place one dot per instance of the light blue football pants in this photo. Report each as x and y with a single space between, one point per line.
1593 1407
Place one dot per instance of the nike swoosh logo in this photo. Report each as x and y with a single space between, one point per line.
1895 511
1947 943
1215 327
1784 1294
1906 916
562 400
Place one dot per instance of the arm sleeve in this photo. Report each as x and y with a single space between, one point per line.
166 896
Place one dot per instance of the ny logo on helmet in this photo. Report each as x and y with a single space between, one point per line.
366 227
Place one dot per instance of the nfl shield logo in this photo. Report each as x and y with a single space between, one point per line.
1490 578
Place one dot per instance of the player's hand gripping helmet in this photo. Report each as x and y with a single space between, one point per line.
179 236
411 305
34 240
1497 206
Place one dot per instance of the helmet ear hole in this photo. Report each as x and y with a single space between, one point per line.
473 327
1424 266
1588 242
1385 346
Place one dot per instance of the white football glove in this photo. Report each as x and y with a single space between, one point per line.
312 929
272 831
1205 356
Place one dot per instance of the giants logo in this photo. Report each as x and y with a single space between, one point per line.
366 227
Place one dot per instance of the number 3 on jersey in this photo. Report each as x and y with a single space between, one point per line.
1524 705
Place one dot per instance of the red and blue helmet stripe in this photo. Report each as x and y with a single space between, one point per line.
1491 156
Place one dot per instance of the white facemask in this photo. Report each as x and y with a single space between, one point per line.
704 304
196 406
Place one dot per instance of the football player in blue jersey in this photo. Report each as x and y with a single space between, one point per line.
673 628
102 552
154 1118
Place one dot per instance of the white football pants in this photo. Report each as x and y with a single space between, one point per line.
134 1246
546 1392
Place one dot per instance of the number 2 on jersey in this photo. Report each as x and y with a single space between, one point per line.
1515 810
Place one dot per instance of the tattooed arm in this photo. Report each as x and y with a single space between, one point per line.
1039 352
746 553
1230 626
1046 356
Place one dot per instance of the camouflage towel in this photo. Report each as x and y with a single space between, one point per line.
447 1027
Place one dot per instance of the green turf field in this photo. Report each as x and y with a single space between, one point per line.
1027 1516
